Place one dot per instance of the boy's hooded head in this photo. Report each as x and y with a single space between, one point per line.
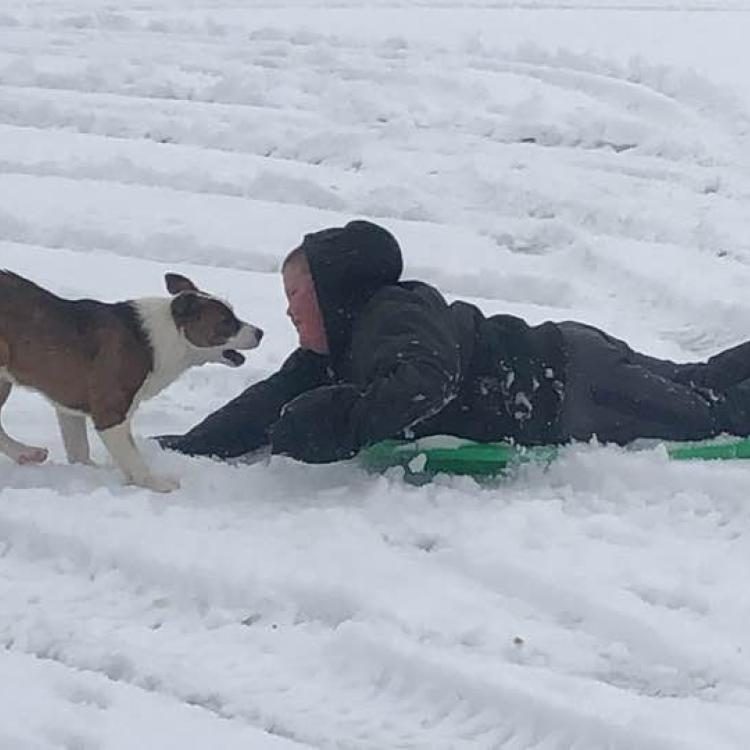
346 266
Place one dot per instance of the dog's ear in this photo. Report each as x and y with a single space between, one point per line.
185 307
177 283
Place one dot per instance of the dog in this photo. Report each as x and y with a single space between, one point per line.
100 360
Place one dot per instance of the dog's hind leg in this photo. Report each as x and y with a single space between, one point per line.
75 438
20 453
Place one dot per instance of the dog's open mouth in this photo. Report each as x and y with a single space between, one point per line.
233 357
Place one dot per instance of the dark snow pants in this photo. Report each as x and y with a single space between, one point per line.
619 395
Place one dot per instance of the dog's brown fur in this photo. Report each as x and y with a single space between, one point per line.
74 352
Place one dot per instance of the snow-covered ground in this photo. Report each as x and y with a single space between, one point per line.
549 159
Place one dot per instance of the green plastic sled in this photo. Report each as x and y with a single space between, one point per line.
442 454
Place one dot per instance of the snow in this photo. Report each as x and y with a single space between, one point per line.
559 160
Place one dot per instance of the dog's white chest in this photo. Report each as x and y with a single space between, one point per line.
171 356
163 374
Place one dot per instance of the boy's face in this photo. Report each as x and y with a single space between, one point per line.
303 308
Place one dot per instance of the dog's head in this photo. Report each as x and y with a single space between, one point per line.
209 323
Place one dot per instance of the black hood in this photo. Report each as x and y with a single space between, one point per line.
348 265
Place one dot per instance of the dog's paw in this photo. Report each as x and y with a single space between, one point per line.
31 455
159 483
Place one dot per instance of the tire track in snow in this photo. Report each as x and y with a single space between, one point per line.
49 583
67 708
371 662
113 116
602 89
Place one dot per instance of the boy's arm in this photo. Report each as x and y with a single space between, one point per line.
412 361
241 425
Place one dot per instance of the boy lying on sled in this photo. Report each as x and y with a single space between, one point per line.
381 358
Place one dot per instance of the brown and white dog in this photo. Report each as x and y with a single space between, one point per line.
100 360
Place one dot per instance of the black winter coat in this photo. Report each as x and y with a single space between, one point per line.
402 363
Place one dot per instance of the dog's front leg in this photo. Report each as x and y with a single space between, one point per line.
75 438
121 446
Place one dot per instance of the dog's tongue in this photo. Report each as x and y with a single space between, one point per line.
233 357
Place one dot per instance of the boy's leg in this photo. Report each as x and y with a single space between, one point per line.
619 395
722 371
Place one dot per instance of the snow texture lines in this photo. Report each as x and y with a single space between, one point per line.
405 131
